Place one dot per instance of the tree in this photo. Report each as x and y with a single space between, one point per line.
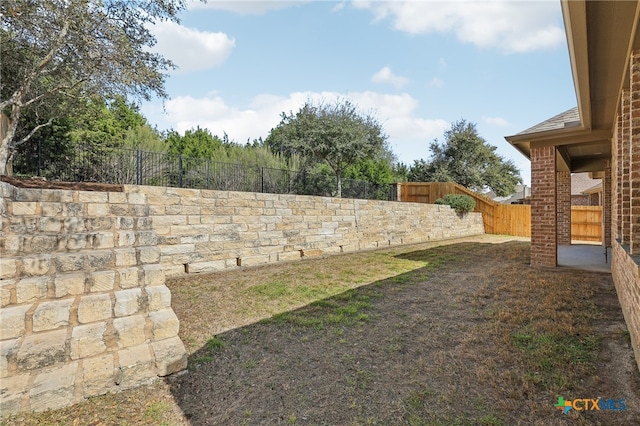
466 158
337 134
56 52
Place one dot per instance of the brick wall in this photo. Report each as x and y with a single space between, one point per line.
84 308
563 207
543 207
626 276
606 206
634 152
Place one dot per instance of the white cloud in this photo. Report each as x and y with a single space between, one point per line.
436 82
409 134
191 49
244 7
496 121
511 26
385 75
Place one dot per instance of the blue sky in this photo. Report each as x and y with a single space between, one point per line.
417 66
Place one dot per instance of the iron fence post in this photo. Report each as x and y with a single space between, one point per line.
139 167
180 171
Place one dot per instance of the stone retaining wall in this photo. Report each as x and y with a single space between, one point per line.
84 308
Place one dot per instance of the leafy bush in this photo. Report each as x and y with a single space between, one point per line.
460 203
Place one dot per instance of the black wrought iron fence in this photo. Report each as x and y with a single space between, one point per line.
137 167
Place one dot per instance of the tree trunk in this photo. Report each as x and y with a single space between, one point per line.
7 131
339 184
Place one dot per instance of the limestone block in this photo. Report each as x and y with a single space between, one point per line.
204 267
94 308
117 198
51 315
135 365
50 224
140 210
126 238
13 321
128 302
102 240
130 330
98 375
288 256
69 262
153 275
136 198
169 220
199 238
5 292
36 265
98 209
46 243
76 241
8 268
87 340
165 324
42 350
147 238
170 356
125 222
31 289
177 249
101 281
51 209
311 252
143 223
173 270
93 197
101 259
24 208
158 297
100 223
148 254
7 350
128 278
74 224
54 388
254 260
13 394
125 257
72 209
183 192
13 244
68 284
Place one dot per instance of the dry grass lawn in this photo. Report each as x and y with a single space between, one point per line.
451 333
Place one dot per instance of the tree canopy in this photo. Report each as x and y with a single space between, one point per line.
466 158
58 52
337 134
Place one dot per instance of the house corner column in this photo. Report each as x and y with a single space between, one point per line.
563 206
634 154
606 205
544 246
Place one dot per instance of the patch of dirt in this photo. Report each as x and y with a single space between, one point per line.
463 343
41 183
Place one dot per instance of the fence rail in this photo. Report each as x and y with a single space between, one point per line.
137 167
509 219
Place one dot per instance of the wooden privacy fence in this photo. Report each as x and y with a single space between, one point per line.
509 219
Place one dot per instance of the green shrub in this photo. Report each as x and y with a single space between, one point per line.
460 203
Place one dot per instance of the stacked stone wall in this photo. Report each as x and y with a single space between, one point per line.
84 308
